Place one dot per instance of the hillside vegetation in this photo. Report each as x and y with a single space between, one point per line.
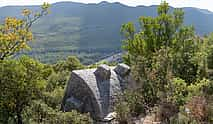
171 67
91 31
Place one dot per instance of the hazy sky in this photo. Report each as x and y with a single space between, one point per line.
203 4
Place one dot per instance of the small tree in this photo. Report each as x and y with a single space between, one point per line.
70 64
21 82
163 49
15 33
149 50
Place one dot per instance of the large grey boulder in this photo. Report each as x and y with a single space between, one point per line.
122 70
94 90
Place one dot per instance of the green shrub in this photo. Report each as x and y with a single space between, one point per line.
178 91
123 112
41 113
57 80
70 64
201 87
182 119
54 98
135 102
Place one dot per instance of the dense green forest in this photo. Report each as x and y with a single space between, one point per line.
171 65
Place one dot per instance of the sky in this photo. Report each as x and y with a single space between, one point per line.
202 4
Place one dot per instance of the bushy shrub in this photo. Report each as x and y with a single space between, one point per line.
177 91
165 111
70 64
57 80
123 112
41 113
182 119
197 107
198 110
135 102
201 87
208 88
54 98
130 104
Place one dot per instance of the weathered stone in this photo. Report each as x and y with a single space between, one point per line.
111 116
72 103
93 91
103 72
122 70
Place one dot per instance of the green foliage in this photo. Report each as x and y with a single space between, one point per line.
131 103
47 71
151 79
182 119
200 87
69 32
194 100
41 113
21 82
149 51
71 63
31 91
168 61
135 102
210 109
15 33
164 48
179 92
209 39
37 112
189 56
57 80
53 99
123 111
61 74
34 92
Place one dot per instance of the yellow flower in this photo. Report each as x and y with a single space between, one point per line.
26 12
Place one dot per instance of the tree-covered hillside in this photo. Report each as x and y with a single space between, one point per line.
91 31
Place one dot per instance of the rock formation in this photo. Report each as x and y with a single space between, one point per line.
95 90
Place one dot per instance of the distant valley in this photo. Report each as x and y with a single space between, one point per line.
91 31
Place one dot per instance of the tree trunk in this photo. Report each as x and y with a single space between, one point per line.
19 118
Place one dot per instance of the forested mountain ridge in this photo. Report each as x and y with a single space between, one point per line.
91 31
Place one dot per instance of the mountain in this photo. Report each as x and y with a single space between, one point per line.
91 31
